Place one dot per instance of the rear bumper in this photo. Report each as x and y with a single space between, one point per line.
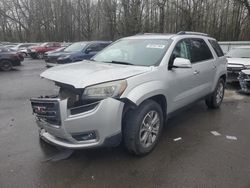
103 121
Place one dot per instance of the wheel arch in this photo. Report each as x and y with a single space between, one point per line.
159 99
223 76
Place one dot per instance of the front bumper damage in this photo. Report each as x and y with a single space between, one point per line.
87 126
233 71
244 79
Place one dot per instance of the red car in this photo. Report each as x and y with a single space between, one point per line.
38 51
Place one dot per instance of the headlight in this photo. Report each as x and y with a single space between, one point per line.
33 50
64 57
101 91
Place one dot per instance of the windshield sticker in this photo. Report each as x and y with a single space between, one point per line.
157 46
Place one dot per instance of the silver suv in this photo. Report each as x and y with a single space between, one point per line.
127 91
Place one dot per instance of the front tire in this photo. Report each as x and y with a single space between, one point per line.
6 65
142 128
215 99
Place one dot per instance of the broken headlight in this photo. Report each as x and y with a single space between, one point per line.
101 91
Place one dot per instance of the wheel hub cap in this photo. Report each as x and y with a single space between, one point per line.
149 128
220 92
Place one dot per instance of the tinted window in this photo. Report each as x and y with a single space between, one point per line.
199 51
103 45
75 47
181 50
94 47
216 48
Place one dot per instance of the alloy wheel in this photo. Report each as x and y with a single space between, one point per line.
149 129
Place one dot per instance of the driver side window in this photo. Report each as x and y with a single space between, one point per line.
182 50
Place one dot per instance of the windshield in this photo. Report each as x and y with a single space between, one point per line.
142 52
239 53
78 46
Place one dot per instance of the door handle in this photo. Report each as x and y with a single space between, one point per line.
196 72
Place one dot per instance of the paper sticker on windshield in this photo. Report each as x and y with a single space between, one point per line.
157 46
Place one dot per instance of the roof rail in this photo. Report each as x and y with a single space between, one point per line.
191 33
154 34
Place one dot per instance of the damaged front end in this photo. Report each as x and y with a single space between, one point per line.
244 79
74 121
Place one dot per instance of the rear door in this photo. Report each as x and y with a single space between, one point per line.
204 67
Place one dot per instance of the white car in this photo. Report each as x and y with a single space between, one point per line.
238 59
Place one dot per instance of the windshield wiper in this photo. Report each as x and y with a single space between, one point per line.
244 57
121 62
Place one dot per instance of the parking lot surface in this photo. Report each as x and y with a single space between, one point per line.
197 159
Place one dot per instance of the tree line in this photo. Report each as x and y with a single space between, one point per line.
78 20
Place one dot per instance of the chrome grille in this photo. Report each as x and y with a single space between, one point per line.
46 109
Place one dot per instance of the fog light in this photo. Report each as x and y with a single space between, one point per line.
85 136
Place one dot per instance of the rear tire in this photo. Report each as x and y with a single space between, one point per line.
215 99
142 128
6 65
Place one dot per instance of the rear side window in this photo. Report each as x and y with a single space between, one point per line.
199 50
216 48
94 47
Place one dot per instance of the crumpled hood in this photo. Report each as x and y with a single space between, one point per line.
242 61
88 73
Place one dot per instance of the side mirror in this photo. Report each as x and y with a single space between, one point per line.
182 63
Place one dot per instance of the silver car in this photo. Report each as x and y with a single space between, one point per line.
128 90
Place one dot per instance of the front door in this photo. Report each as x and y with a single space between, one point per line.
183 81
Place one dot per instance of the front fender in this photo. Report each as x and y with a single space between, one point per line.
146 90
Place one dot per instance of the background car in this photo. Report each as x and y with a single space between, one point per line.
76 52
9 59
38 51
22 48
51 53
238 59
